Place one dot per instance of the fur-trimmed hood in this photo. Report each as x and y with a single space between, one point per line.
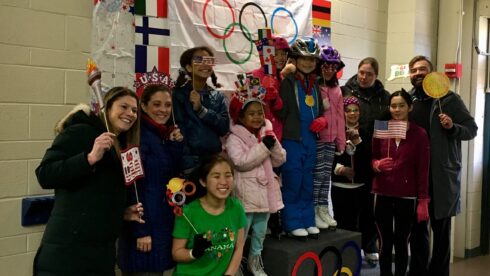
73 117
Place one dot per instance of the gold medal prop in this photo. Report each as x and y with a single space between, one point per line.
436 85
309 101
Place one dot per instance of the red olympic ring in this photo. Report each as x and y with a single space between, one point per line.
308 255
226 35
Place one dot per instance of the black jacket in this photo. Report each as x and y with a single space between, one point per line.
89 202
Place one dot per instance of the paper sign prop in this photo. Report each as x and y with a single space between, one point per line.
399 71
436 85
132 166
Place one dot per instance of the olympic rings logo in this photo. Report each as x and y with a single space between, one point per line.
231 27
339 264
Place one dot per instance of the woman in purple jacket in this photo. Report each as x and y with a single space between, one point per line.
400 185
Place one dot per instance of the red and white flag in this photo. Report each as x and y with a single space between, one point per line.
390 129
132 166
155 8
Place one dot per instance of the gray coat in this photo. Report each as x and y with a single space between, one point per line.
445 153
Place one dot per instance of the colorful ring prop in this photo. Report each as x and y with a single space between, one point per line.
226 35
178 198
249 37
226 50
308 255
191 185
292 18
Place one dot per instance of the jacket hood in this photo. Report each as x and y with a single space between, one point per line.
79 114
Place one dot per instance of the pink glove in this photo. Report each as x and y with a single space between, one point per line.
271 94
383 165
423 210
318 124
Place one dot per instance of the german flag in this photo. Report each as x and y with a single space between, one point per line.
320 12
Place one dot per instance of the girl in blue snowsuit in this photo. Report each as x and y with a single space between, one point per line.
301 115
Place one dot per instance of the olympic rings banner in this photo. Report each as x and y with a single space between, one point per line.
229 26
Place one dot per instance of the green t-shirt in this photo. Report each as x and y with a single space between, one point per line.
221 230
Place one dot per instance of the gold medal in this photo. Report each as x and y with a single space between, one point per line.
309 101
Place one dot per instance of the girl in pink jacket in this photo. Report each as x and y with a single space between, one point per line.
254 150
331 138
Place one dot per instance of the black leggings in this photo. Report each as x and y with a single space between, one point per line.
402 210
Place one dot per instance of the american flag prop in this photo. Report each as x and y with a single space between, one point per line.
390 129
204 60
132 166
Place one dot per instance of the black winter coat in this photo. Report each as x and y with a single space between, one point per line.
89 203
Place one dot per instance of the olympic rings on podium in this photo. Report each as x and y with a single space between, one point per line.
292 19
226 35
226 50
308 255
249 37
357 249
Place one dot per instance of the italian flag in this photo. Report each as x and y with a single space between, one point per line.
155 8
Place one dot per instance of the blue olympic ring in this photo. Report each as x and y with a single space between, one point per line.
356 247
292 18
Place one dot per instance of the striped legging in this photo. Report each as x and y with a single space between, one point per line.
322 171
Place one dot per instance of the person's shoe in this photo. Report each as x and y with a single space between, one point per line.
256 266
300 232
325 216
320 223
371 258
313 232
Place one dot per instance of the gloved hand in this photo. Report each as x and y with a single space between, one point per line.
318 124
383 165
271 94
200 245
423 210
269 141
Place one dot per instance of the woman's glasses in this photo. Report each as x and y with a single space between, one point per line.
351 110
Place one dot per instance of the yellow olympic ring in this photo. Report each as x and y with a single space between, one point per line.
345 270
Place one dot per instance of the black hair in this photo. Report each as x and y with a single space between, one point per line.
208 163
404 94
186 59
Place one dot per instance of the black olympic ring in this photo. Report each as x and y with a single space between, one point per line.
249 38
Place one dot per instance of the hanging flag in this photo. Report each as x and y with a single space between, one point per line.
390 129
320 14
151 31
132 166
155 8
147 57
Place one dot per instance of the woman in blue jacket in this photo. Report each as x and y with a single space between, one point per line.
145 249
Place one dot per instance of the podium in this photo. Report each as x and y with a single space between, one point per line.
288 256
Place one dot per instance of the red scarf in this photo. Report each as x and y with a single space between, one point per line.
311 81
163 130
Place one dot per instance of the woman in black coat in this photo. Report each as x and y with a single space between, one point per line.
83 166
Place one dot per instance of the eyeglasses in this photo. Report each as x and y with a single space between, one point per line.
351 110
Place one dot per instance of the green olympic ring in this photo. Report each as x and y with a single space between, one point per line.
226 50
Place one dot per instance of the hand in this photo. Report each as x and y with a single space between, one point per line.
446 121
195 99
102 144
143 244
288 69
200 245
269 141
134 213
347 172
176 135
423 210
383 165
318 124
271 94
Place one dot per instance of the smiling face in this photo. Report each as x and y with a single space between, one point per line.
200 71
280 58
306 65
219 182
329 70
159 107
352 114
418 72
399 108
122 114
253 116
366 76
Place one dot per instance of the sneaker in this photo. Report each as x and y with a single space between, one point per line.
256 266
313 230
300 232
320 223
372 257
325 216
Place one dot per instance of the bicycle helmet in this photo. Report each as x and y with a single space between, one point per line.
329 54
280 43
305 47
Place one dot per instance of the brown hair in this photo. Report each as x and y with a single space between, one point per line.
371 61
419 58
